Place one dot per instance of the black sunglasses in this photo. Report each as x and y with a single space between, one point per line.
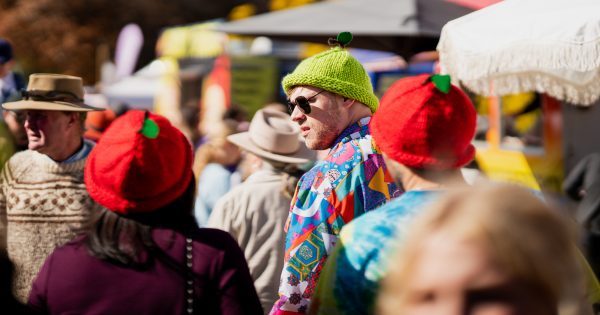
302 102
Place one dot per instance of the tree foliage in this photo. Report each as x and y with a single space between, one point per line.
64 36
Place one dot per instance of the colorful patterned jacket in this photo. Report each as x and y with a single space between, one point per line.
352 180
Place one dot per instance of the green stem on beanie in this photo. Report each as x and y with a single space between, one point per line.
342 39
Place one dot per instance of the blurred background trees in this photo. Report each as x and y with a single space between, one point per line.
72 36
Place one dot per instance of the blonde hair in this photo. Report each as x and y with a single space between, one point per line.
524 236
290 172
213 151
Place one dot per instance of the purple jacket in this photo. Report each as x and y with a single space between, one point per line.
72 281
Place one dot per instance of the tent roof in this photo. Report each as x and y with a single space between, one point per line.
361 17
376 24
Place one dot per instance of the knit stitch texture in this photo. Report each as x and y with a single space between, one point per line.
42 204
337 71
140 164
419 126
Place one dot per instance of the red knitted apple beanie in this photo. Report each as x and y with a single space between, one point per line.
425 122
140 164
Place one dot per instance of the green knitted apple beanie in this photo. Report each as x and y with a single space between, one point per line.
337 71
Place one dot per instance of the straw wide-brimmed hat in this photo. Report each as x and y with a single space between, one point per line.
274 137
52 92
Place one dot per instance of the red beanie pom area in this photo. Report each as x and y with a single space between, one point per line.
422 126
141 163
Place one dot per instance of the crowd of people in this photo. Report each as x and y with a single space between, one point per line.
254 221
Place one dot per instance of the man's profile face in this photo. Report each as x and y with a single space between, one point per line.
323 125
46 130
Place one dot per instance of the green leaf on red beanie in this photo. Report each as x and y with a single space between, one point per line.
150 128
441 82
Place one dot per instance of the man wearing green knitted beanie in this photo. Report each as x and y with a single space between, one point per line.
331 99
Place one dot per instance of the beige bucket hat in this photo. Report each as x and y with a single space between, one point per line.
52 92
273 136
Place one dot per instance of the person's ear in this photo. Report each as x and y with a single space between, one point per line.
73 118
347 102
